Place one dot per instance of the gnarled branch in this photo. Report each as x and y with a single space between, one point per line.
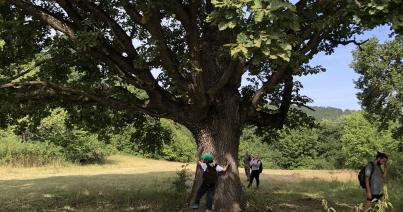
47 17
269 85
122 38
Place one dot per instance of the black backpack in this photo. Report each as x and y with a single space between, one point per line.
261 167
361 175
210 176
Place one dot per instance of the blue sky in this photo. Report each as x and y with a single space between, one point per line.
335 87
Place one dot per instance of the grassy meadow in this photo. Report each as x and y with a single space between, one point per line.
126 183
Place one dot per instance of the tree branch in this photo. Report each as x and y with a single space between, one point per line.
37 64
346 42
269 85
302 105
311 48
130 103
286 96
152 22
62 91
181 14
133 12
160 99
271 118
168 60
123 39
226 77
120 64
189 23
61 25
300 5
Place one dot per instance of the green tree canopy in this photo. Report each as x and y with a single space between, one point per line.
381 80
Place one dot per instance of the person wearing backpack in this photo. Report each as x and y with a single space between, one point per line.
257 168
210 177
374 179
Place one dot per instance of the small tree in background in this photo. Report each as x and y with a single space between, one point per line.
381 81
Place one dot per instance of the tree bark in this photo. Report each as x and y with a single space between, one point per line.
219 135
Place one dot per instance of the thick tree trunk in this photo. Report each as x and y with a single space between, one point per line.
219 134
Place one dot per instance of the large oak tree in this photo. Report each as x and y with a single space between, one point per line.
90 55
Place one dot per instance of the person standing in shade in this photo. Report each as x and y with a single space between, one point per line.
256 166
246 163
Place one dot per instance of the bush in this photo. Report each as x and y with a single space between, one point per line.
172 141
395 168
77 145
298 147
85 148
182 146
17 154
180 186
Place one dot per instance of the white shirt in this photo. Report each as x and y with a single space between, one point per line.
218 168
255 164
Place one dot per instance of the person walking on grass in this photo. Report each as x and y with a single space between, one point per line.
246 163
210 177
257 167
374 179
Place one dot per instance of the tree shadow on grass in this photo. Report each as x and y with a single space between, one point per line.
153 192
132 192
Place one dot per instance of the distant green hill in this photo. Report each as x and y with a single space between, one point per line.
329 113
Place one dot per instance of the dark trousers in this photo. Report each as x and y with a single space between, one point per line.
254 175
210 195
247 172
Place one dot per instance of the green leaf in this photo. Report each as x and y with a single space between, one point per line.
259 16
257 3
380 7
284 56
258 42
2 43
273 57
222 26
227 25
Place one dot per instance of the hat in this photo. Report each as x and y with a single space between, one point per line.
207 157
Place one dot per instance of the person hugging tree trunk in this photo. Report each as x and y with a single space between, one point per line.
210 177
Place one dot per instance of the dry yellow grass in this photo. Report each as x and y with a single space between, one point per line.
117 164
301 175
121 164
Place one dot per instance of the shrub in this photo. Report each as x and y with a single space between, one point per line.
77 145
15 153
182 146
180 186
85 148
395 168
